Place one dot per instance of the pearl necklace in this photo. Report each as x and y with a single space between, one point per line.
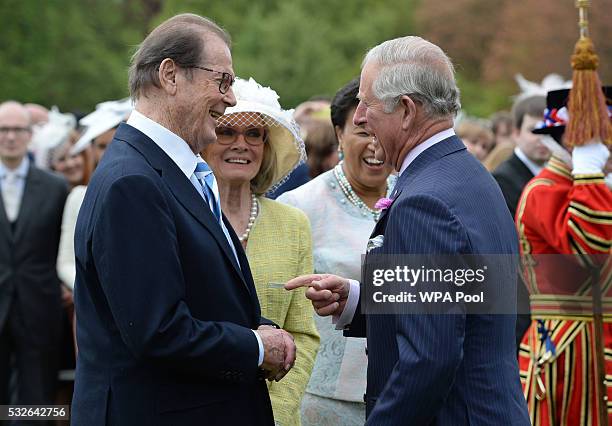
252 217
350 194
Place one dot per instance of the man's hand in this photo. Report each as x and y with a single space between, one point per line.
279 351
327 292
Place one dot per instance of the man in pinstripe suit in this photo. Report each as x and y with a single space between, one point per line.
428 369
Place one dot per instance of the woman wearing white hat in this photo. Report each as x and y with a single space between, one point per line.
100 124
258 145
75 167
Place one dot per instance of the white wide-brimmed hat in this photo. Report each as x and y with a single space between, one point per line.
107 116
256 103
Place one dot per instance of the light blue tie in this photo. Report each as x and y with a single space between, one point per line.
206 178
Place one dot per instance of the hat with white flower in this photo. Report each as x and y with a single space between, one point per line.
258 106
51 135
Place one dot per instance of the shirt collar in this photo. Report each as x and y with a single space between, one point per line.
533 167
173 145
21 171
417 150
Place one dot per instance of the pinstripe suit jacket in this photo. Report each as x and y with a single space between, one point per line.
443 369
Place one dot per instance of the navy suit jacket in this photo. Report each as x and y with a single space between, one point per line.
456 369
28 255
164 312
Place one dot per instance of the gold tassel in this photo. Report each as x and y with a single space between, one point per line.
588 113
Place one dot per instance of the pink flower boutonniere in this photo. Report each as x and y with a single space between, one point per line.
384 203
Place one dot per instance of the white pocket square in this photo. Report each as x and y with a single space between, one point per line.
375 242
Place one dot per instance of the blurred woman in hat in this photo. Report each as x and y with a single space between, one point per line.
100 127
75 167
258 145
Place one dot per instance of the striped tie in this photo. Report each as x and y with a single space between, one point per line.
206 178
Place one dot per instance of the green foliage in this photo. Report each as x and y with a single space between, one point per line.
65 53
75 54
479 99
302 48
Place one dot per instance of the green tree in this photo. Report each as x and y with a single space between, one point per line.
66 53
303 47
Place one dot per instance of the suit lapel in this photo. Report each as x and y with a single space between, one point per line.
5 226
242 257
431 154
522 171
184 191
181 187
32 194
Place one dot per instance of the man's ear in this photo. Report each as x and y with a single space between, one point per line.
409 111
167 76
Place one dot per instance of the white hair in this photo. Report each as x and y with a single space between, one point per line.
413 66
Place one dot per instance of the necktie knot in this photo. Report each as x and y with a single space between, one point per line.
11 178
203 168
207 179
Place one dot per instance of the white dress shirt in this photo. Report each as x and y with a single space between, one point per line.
66 267
181 154
12 185
428 143
346 317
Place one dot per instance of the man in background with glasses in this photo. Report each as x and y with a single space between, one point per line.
169 327
31 206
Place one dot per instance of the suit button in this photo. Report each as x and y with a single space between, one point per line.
131 324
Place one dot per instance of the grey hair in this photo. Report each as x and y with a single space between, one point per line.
178 38
415 67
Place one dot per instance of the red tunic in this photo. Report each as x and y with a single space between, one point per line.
562 214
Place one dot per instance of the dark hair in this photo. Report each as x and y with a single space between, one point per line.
178 38
343 102
320 143
499 119
533 106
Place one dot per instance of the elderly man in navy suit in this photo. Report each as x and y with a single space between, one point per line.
169 327
433 369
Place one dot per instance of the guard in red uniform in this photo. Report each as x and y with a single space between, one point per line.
566 210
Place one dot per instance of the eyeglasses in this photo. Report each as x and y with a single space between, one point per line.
253 136
19 131
227 80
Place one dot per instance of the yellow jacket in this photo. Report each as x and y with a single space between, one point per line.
280 248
